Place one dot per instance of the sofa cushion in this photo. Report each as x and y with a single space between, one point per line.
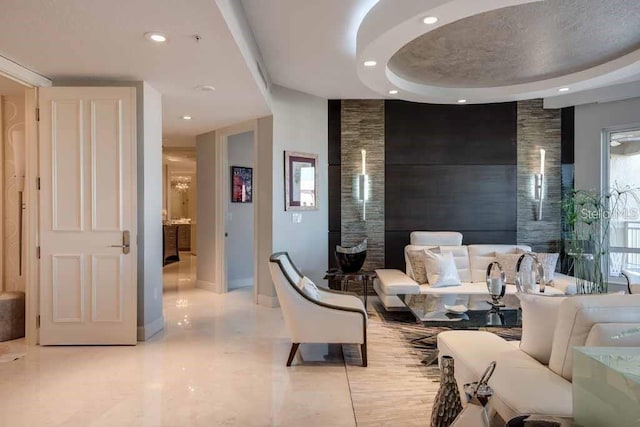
309 288
441 269
521 384
508 262
549 263
480 256
539 316
578 315
435 238
395 282
418 270
414 248
461 258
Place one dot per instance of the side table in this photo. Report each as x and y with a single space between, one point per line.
363 277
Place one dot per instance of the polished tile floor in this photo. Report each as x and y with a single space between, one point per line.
219 362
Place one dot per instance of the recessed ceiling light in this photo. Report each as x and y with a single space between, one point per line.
563 89
462 101
430 20
156 37
206 88
393 92
369 63
186 117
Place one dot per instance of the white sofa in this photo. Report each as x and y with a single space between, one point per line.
523 385
395 287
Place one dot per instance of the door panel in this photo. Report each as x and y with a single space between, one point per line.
88 199
67 176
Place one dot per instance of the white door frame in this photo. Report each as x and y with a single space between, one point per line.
32 81
222 190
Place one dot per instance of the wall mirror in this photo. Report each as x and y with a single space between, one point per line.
301 181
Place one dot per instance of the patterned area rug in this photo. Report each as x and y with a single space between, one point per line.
397 389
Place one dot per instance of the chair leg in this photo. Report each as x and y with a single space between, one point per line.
363 351
292 353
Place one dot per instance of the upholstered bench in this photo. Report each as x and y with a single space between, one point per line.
11 315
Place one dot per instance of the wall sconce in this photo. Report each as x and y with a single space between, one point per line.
363 185
539 190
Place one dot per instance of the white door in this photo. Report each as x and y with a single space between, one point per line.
87 215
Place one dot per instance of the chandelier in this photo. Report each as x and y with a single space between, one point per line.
180 183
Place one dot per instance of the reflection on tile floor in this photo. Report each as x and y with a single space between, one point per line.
219 362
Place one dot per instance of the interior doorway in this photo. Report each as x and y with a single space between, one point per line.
179 214
239 220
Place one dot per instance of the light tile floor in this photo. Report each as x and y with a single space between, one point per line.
219 362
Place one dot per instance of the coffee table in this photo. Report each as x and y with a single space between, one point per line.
492 317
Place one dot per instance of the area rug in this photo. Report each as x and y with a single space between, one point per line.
397 389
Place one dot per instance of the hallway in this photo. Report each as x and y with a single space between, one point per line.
219 361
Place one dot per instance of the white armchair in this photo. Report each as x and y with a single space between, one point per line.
633 280
336 318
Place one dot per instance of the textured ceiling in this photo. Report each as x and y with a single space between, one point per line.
522 44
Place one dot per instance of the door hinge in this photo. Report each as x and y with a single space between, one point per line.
38 252
38 183
38 322
37 114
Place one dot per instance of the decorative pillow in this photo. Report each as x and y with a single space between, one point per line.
539 317
441 269
508 262
549 262
309 288
416 259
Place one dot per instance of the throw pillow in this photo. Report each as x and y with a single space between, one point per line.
539 317
416 259
309 288
549 262
508 262
441 269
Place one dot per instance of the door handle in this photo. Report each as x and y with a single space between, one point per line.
126 242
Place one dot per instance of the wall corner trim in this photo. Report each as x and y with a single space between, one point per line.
150 329
208 286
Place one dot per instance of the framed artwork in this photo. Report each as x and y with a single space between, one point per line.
301 181
241 184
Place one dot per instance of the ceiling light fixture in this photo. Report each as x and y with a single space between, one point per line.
430 20
462 101
206 88
369 63
186 117
156 37
563 89
393 92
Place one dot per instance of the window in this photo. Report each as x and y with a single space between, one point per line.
622 173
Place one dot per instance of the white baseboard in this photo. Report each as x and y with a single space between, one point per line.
265 301
147 331
240 283
207 286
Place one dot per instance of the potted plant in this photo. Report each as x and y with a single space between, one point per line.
590 218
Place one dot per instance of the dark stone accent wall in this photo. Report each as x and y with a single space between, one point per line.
449 168
363 124
539 128
446 167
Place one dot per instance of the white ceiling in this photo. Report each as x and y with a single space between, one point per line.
10 87
310 45
104 40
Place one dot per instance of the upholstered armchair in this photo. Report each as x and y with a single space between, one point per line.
335 318
633 281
